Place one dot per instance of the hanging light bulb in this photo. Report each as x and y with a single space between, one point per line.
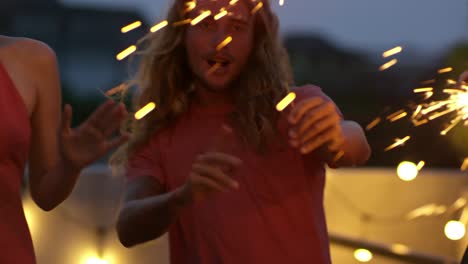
363 255
407 171
454 230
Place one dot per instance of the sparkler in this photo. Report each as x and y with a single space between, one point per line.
281 2
131 27
145 110
125 53
454 106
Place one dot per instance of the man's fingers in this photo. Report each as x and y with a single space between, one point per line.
463 78
99 118
207 183
219 158
302 108
66 118
115 119
317 141
215 174
322 112
317 128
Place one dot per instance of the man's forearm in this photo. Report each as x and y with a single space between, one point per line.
149 218
356 150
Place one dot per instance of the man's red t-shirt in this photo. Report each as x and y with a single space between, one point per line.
276 215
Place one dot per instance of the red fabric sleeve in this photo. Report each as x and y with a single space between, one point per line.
146 161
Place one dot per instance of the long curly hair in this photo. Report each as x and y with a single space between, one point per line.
164 77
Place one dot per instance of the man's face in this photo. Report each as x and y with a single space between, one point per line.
202 40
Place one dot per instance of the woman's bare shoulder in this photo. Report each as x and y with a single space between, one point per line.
25 50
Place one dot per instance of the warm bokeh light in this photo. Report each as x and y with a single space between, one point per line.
454 230
145 110
363 255
407 171
96 260
400 249
286 101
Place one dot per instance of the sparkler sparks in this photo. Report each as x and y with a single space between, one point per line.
119 88
398 142
224 43
223 12
131 27
213 68
233 2
392 52
464 166
286 101
374 123
159 26
445 70
145 110
182 22
200 17
257 7
125 53
388 65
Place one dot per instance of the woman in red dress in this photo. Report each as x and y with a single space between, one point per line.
32 131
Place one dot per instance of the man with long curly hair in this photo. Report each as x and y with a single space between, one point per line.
232 179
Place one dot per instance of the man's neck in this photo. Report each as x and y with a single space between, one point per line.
206 97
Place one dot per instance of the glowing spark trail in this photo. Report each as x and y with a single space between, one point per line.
131 27
286 101
145 110
224 43
445 70
257 7
388 65
199 18
221 14
122 55
159 26
398 142
392 52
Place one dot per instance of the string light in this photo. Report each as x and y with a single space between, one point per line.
363 255
454 230
407 171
